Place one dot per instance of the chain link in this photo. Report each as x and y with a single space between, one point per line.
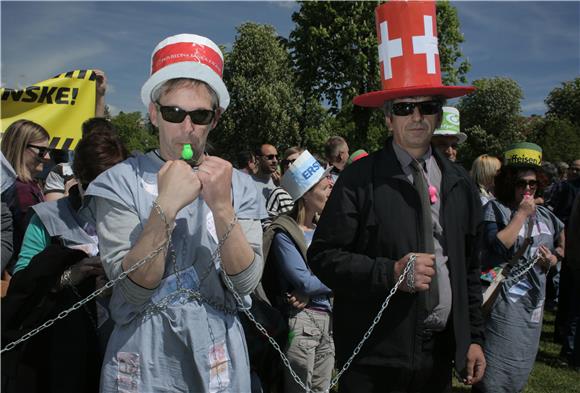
166 246
63 314
523 269
245 310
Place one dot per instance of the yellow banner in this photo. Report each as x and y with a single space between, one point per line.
60 105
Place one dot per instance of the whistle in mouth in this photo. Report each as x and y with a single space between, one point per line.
187 152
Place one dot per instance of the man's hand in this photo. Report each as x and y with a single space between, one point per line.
215 175
475 365
178 186
101 83
297 300
276 176
87 267
101 90
424 271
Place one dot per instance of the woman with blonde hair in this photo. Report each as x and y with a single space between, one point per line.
483 171
25 146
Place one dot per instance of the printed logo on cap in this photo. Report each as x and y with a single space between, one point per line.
524 154
302 175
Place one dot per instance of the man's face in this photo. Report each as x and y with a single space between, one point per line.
172 136
447 145
574 170
412 131
342 157
268 161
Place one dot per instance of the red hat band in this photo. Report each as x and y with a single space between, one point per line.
408 52
187 51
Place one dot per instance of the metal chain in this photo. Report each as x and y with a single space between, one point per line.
245 310
323 334
217 254
521 270
81 303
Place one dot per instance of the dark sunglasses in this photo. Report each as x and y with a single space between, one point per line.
288 162
425 108
175 114
524 183
42 150
269 156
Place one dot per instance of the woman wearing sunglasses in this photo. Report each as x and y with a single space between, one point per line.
25 146
529 239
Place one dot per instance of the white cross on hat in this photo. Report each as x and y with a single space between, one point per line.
427 44
388 49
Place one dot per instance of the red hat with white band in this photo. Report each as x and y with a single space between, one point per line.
408 54
187 56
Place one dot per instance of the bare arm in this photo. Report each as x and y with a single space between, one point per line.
509 234
101 89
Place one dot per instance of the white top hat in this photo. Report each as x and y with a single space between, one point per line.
187 56
450 124
302 175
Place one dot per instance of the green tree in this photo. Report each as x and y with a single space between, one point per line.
491 117
264 106
558 137
564 101
134 132
334 50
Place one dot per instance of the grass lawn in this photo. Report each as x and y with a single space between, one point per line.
548 375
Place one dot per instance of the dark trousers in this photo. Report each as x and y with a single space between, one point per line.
432 374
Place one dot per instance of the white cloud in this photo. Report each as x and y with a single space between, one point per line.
114 110
534 107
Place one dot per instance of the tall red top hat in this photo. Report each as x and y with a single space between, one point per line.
408 54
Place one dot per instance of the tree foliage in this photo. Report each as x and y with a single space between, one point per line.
264 107
134 132
564 101
334 50
491 117
558 137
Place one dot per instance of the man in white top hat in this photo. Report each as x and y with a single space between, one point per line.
405 206
176 324
447 136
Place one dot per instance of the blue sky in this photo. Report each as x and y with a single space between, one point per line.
535 43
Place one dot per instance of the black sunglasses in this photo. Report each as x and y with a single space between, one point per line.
269 156
42 150
288 162
425 108
175 114
524 183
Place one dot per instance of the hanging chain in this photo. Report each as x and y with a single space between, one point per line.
523 269
230 285
217 255
81 303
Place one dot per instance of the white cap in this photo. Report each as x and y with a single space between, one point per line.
302 175
450 124
187 56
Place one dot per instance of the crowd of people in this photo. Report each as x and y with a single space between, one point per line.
175 252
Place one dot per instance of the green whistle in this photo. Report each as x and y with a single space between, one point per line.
187 152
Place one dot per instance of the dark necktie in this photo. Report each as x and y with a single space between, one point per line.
427 243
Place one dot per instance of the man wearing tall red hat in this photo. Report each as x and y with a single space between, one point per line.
176 324
405 206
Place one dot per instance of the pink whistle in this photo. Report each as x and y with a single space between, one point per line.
433 194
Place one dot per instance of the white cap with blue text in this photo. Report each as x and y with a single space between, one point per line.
302 175
450 124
